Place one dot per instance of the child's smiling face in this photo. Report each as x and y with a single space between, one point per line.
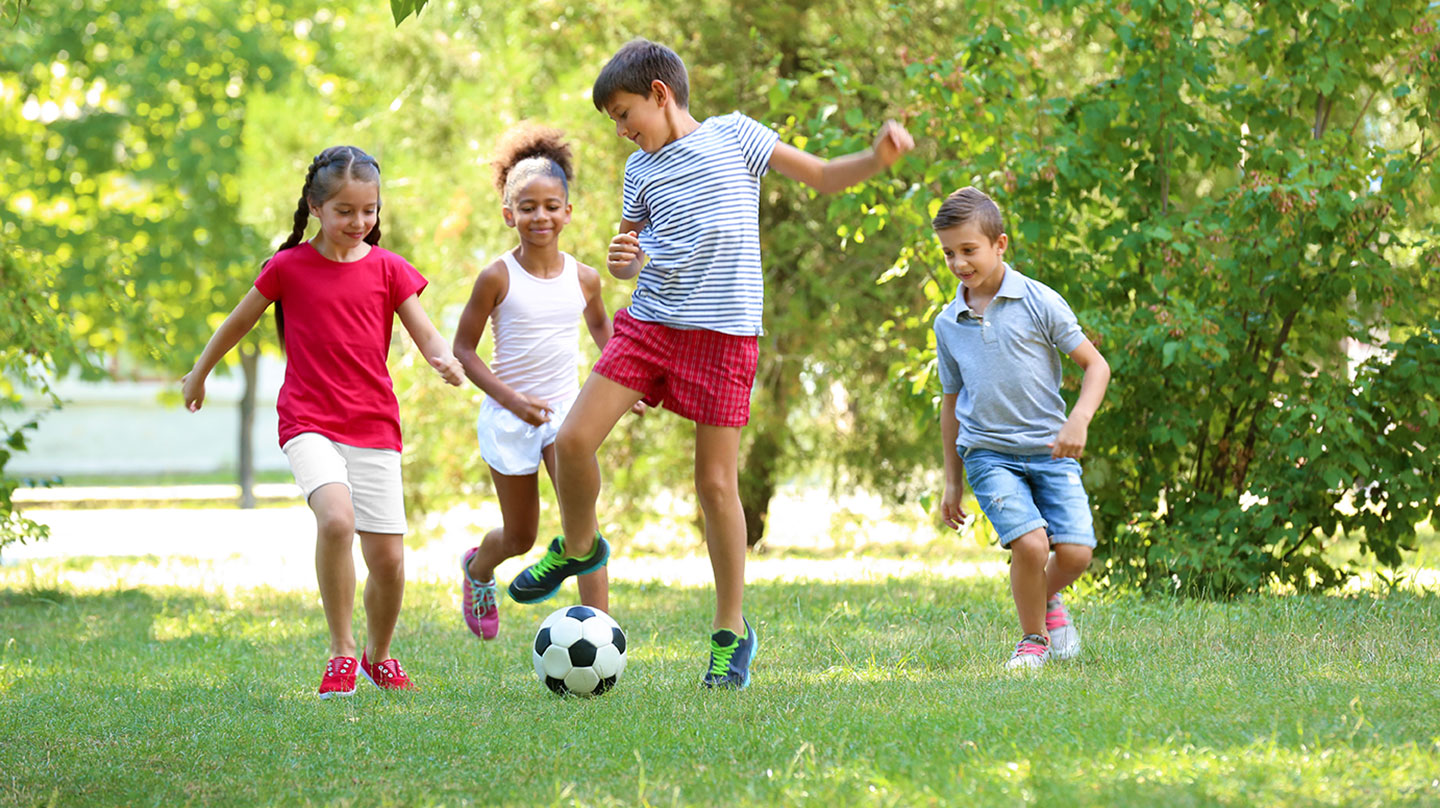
348 217
640 118
972 256
539 211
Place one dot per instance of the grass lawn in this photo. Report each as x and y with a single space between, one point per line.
873 693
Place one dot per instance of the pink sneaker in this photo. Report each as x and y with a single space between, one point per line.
339 678
1030 653
482 612
387 675
1064 637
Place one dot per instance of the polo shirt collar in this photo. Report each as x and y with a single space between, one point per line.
1011 286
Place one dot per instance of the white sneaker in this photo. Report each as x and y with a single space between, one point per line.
1064 637
1030 653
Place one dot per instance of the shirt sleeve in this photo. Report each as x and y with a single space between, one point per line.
757 142
631 206
269 283
1062 328
950 379
405 280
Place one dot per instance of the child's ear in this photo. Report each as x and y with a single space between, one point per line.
1001 242
660 91
509 216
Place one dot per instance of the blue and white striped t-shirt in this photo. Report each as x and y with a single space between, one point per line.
700 198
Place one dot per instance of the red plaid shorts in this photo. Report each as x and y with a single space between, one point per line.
702 375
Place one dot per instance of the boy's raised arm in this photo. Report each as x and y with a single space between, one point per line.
830 176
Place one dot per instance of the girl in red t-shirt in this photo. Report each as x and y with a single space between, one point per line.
339 419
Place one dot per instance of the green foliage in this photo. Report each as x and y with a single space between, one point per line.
35 340
1227 213
400 9
129 128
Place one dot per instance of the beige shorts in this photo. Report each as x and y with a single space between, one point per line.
372 475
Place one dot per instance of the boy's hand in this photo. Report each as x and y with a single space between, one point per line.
1071 440
892 142
450 368
192 386
624 250
533 411
952 513
640 408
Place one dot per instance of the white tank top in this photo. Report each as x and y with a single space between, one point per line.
537 349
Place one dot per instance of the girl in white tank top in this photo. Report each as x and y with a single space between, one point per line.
534 295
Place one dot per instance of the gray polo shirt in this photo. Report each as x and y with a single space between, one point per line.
1004 366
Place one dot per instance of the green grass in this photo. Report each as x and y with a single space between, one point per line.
865 693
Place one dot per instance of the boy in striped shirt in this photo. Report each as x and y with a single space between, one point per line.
688 340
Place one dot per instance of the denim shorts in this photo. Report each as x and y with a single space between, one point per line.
1019 493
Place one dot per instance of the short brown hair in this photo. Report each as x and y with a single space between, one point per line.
634 66
970 204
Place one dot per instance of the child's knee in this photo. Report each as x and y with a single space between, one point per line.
716 490
572 441
336 525
387 565
1032 548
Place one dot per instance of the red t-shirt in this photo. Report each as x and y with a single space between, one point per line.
338 319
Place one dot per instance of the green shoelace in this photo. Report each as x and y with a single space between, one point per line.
720 656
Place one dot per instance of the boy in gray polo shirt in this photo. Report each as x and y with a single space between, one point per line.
1003 421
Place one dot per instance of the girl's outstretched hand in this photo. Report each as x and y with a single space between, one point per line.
192 386
450 368
892 142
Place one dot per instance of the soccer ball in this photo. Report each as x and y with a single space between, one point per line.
579 650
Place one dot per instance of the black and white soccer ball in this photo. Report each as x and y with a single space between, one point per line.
579 650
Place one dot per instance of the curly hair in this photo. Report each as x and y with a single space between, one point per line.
528 151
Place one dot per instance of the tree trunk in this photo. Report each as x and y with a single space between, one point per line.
757 481
249 362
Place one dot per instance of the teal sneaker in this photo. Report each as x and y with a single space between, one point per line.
730 658
541 580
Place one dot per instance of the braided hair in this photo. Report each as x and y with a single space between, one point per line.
529 151
328 173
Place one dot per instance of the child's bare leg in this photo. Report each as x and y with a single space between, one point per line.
717 485
335 563
519 497
384 590
577 473
1067 564
1028 555
594 586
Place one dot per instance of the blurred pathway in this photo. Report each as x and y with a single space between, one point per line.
224 548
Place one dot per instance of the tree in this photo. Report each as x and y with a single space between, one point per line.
129 139
1226 204
35 342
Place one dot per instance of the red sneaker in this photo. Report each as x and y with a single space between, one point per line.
387 675
339 678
